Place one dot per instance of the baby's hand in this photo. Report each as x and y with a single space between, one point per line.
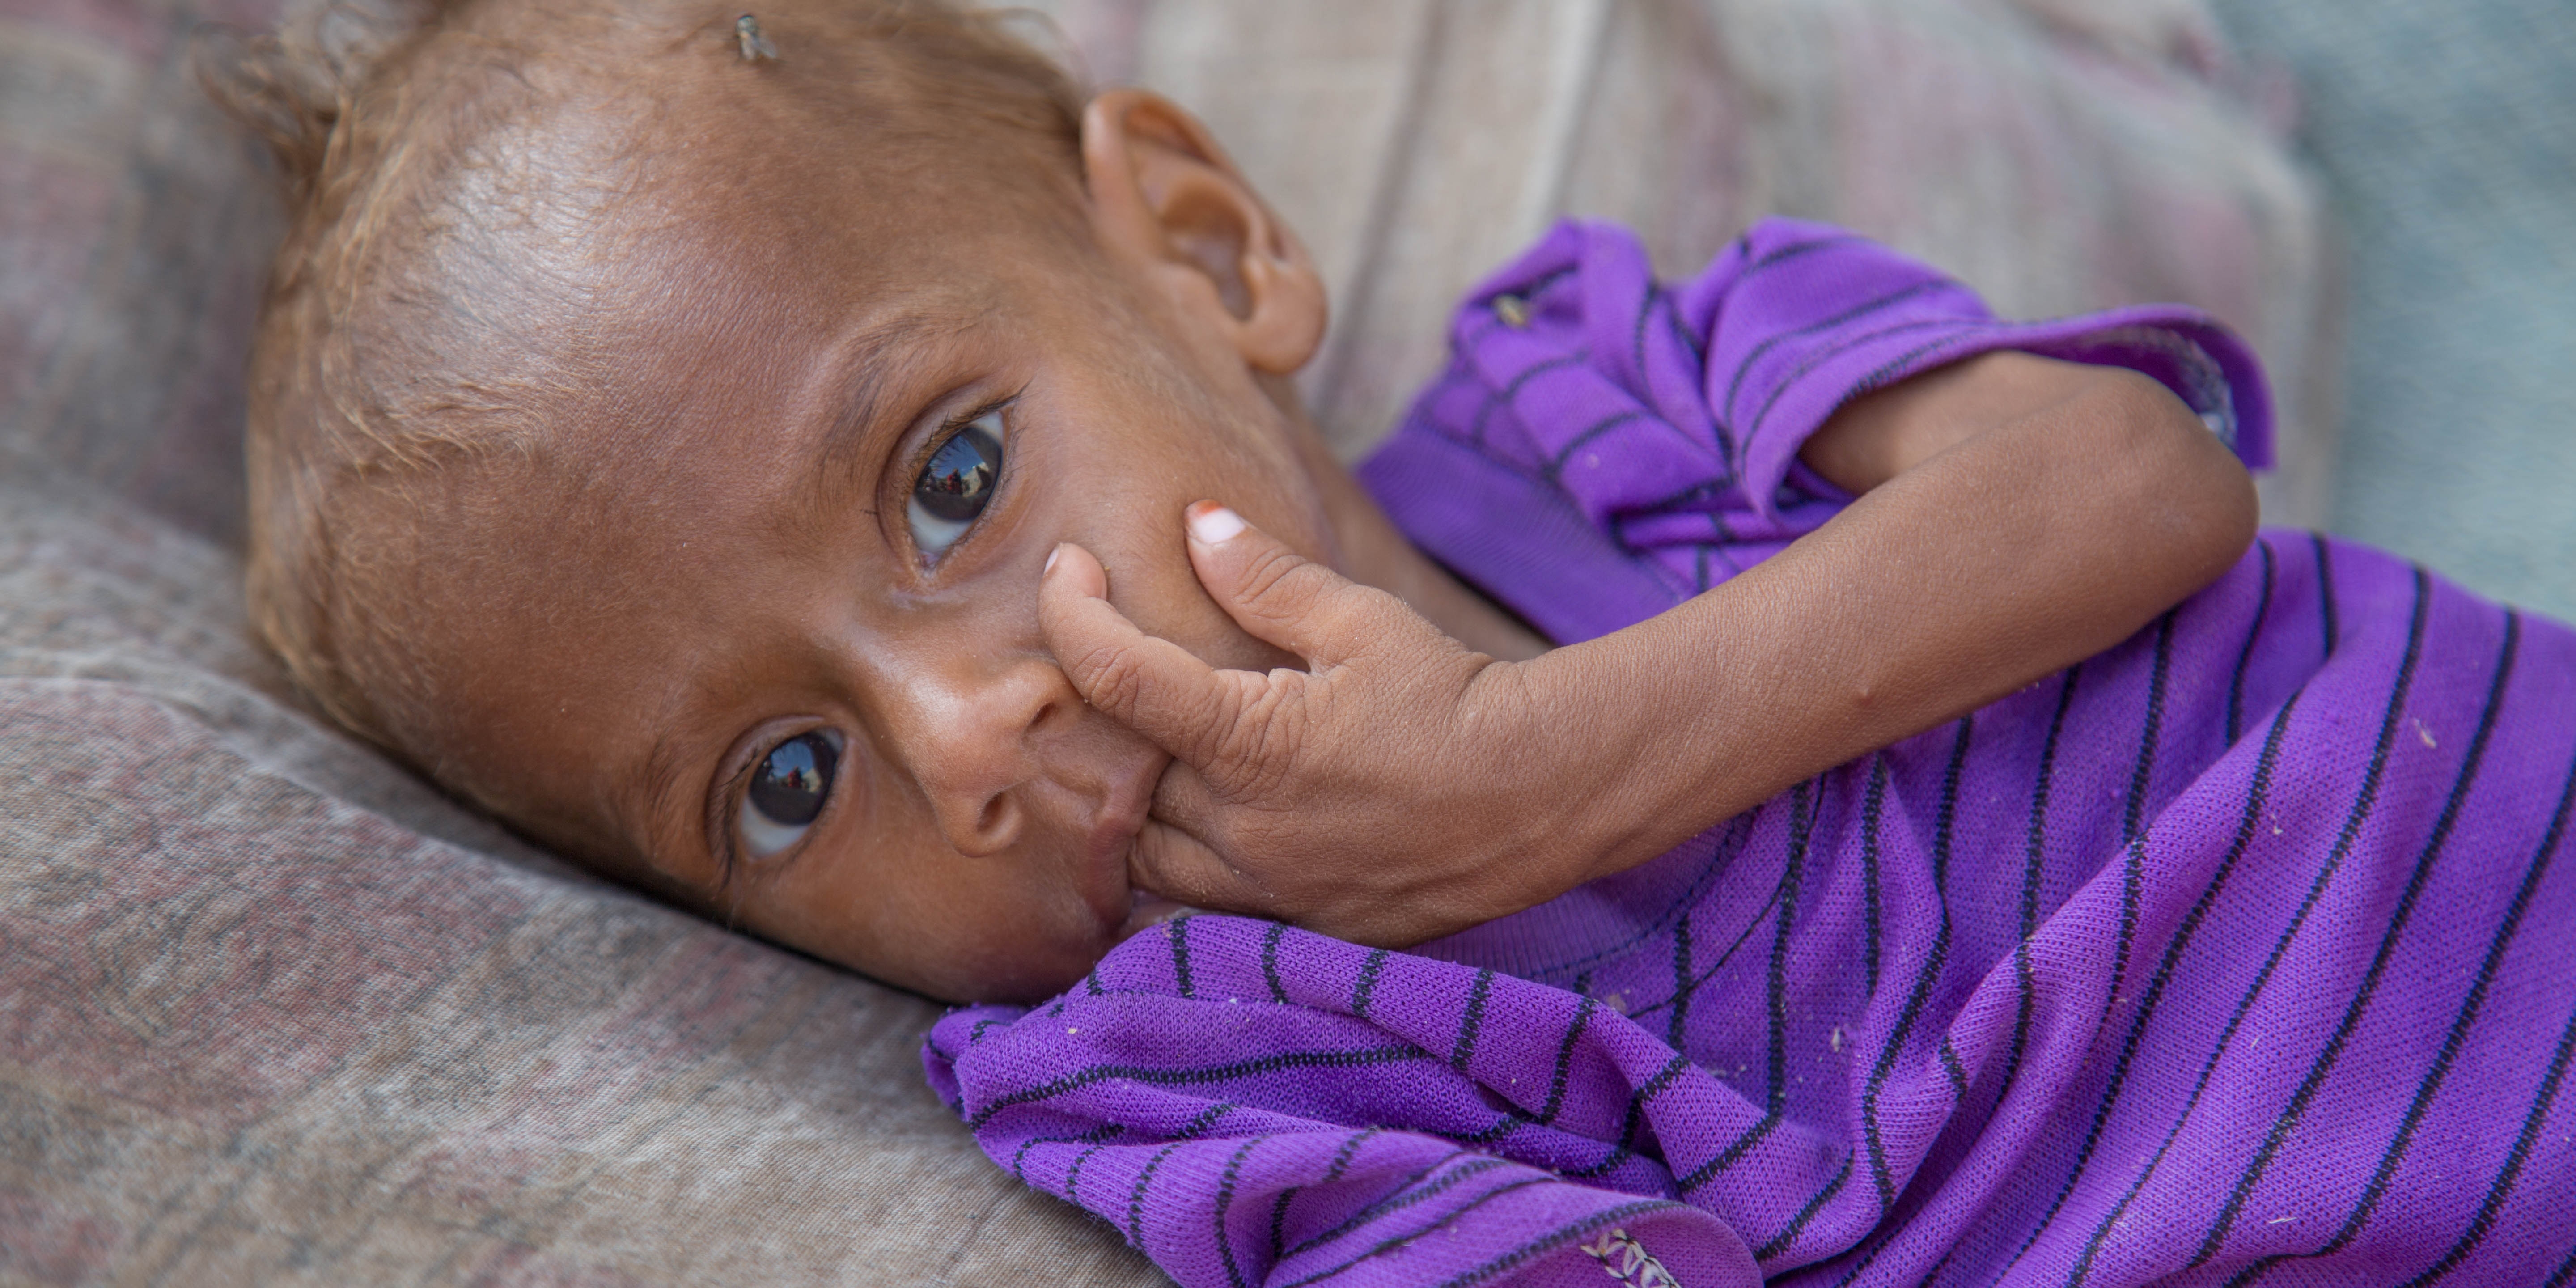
1392 792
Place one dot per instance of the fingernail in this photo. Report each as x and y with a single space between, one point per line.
1050 563
1213 524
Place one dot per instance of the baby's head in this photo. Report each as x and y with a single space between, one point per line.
660 446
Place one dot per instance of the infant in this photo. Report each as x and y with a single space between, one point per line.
820 467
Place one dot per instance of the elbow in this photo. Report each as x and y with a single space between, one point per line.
2180 491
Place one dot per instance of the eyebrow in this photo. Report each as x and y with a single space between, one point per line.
884 363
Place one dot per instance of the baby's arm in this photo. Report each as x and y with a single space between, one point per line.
2015 515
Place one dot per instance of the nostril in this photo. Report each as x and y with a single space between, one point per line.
994 817
1049 712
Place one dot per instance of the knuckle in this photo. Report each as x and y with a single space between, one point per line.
1283 584
1111 676
1266 573
1264 748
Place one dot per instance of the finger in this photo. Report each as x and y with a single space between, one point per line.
1183 799
1150 685
1286 599
1178 866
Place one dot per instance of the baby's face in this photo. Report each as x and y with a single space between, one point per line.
758 617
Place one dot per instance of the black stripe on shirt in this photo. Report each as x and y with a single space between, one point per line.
1797 1224
2288 1118
1681 330
1136 1200
2034 863
2132 861
1469 1022
1565 1060
1091 1137
1332 1172
1206 1118
1367 982
1073 1175
1760 916
1618 1154
1420 1187
2140 777
1503 1125
1204 1074
1806 801
1874 379
1638 1099
1225 1208
2245 657
1924 979
1270 960
1502 396
1683 989
1637 343
2541 1102
2325 593
1725 407
1394 1242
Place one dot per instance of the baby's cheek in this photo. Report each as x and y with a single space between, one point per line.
963 931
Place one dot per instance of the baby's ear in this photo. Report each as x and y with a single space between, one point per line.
1163 192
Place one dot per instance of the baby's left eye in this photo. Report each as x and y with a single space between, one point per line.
955 485
787 791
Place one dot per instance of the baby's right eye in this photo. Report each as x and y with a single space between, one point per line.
955 485
788 789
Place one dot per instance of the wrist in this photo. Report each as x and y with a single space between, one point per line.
1572 771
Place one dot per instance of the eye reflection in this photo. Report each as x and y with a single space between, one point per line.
788 790
955 485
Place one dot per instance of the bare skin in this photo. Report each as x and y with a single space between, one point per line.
1070 719
2018 515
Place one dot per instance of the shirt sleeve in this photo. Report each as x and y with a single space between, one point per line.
1800 318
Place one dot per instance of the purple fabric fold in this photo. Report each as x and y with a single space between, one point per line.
2229 956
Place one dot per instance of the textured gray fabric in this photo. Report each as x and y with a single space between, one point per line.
2447 133
271 1012
135 226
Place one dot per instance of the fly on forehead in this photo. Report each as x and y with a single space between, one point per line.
747 37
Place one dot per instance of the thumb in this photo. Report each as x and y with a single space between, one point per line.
1283 598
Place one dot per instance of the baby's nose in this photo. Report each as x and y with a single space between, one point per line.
982 738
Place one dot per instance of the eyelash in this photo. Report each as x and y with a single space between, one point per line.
728 804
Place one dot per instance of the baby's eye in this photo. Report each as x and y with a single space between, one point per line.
788 788
955 485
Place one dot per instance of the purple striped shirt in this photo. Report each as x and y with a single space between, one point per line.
2237 954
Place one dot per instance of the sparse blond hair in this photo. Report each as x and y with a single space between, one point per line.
359 393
